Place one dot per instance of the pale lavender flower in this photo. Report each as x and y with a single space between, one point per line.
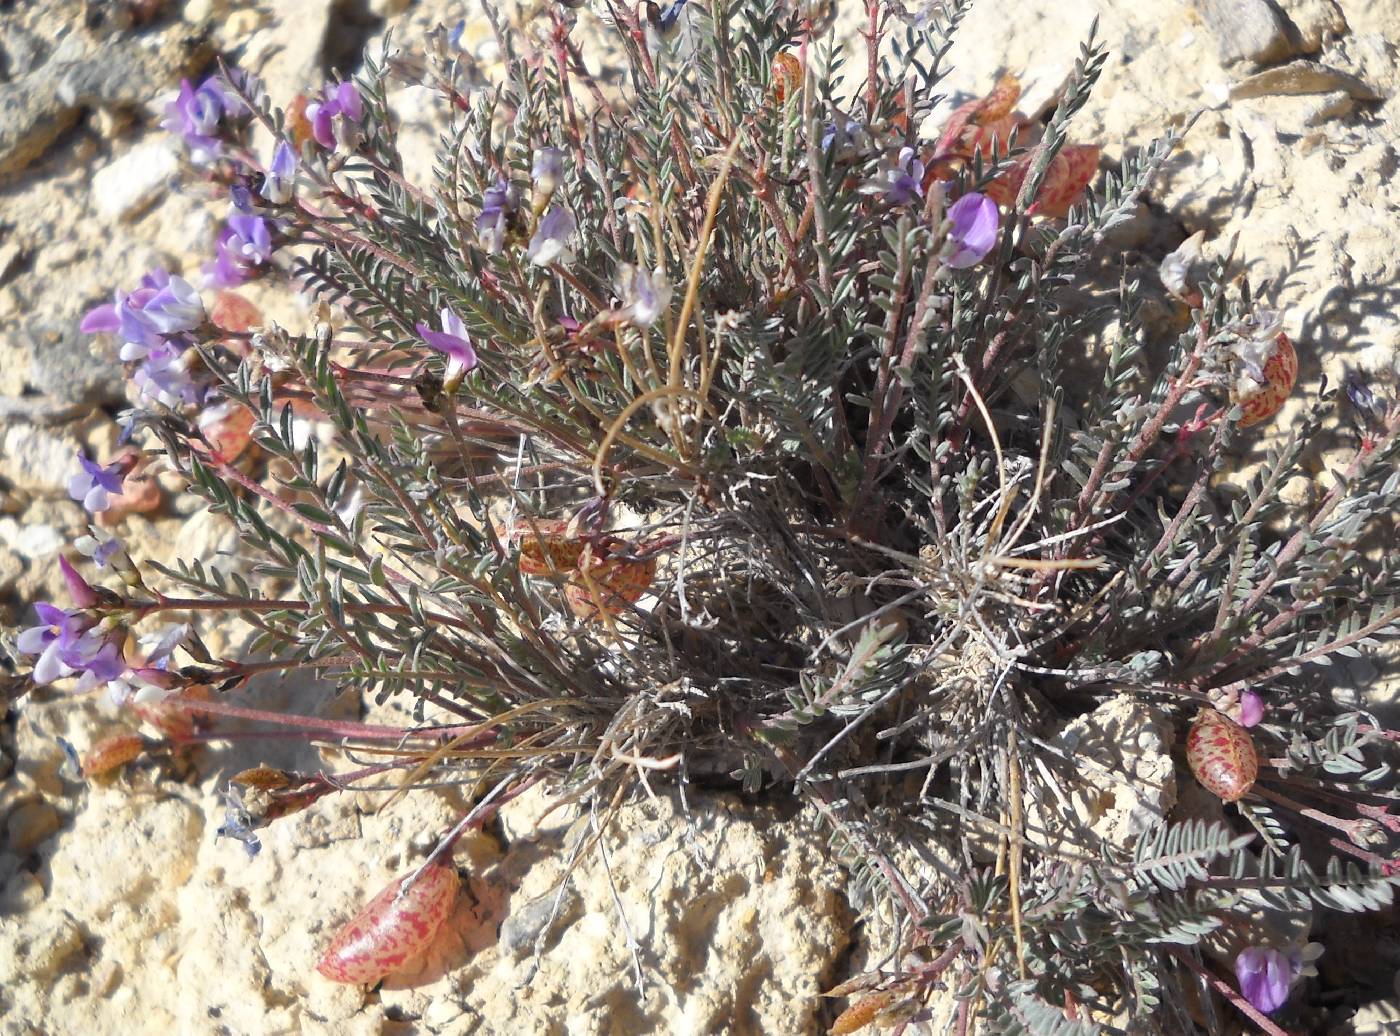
645 296
548 169
53 640
164 378
901 183
150 680
280 181
452 340
1266 975
95 484
251 239
176 307
497 205
335 118
229 269
550 243
68 642
107 317
972 230
98 546
137 328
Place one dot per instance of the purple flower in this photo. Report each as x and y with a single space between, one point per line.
95 484
901 183
972 230
1250 709
1266 976
67 642
548 170
163 378
240 199
53 640
280 181
102 319
176 307
645 296
336 117
84 596
497 206
229 269
137 328
550 243
454 341
251 240
195 115
98 546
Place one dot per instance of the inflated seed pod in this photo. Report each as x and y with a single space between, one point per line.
619 583
111 752
232 312
545 540
394 928
787 76
1221 755
1069 174
229 428
1280 372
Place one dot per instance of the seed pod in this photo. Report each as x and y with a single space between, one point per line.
787 76
545 540
177 724
232 312
1221 755
1069 174
228 426
112 752
863 1012
1280 372
395 927
619 583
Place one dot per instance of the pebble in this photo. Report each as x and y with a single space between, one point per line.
1246 30
29 825
1302 77
129 185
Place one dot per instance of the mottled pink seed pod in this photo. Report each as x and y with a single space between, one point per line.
1221 755
112 752
392 929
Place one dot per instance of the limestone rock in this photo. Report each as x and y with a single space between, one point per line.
1121 781
1313 22
1246 30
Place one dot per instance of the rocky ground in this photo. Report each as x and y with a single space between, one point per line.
120 911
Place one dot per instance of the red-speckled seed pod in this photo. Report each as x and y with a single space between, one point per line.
787 76
545 540
1280 372
112 752
393 929
1221 755
1071 171
619 583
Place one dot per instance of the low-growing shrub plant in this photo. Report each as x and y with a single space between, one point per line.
740 421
